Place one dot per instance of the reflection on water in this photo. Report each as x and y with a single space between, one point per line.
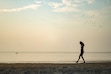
50 57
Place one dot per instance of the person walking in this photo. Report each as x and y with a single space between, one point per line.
82 52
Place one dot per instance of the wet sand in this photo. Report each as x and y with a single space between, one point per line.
55 68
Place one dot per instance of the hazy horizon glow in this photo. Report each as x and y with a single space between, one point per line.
48 25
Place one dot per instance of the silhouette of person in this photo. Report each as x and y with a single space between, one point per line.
82 52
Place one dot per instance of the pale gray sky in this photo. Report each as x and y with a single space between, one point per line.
46 25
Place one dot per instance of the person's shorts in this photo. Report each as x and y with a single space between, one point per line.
81 54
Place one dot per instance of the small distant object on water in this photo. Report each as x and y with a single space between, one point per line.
16 52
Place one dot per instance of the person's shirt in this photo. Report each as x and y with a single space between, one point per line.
82 47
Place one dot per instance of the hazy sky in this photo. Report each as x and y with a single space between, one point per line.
55 25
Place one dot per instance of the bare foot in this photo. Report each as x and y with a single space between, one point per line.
84 62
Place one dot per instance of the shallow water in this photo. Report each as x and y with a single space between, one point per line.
52 57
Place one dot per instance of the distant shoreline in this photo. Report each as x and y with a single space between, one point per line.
53 62
36 64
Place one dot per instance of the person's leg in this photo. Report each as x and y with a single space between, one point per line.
83 59
78 59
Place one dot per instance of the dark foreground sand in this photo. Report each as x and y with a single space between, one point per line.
46 68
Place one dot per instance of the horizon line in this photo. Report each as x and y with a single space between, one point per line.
45 52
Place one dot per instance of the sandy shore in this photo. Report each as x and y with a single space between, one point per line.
55 68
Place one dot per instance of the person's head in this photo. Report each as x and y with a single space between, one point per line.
81 42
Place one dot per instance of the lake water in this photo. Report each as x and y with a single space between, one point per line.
52 57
